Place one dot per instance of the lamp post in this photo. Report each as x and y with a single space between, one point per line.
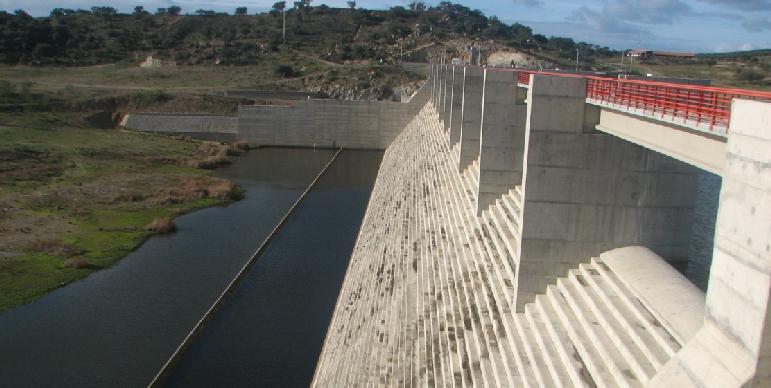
577 59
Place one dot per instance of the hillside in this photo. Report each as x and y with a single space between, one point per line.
319 40
101 35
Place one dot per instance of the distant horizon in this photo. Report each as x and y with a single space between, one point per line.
699 26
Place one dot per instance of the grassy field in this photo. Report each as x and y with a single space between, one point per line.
123 78
74 200
721 75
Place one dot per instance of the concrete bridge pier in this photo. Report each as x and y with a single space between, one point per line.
502 137
586 192
432 80
733 348
447 104
442 91
471 116
436 87
456 104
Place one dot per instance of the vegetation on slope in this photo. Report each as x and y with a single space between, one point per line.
75 199
102 35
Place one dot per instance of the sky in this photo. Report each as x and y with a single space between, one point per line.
684 25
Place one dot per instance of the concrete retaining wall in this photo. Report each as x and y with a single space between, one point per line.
216 127
271 94
329 123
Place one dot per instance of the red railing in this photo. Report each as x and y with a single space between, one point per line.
523 77
701 107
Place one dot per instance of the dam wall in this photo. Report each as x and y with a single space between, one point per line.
430 296
530 248
329 123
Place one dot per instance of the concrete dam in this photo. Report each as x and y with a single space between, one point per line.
525 228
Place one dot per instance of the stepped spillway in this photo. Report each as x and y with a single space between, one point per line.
429 296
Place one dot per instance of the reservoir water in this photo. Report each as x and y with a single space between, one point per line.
270 331
118 326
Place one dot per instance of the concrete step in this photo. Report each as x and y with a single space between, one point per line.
665 340
641 337
546 347
567 353
578 339
627 341
537 365
612 361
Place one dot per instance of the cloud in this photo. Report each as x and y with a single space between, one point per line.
626 16
757 23
746 5
601 21
529 3
647 12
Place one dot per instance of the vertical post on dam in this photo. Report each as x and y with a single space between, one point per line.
738 301
456 105
502 138
471 116
448 84
443 92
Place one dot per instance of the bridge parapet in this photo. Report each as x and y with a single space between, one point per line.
701 108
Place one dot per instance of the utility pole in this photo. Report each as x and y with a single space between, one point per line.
577 59
283 29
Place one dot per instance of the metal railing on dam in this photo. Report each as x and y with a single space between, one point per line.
703 107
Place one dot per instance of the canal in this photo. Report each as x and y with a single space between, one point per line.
118 326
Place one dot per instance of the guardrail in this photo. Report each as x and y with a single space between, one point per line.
701 107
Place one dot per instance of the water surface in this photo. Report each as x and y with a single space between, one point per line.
118 326
270 331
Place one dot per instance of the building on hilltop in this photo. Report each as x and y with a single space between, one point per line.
650 54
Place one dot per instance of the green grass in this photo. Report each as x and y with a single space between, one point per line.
124 78
79 204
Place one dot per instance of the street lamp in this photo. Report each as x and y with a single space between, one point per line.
577 59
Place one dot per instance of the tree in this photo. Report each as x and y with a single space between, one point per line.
161 11
104 11
540 39
241 11
285 71
279 6
352 4
139 10
418 6
205 12
174 10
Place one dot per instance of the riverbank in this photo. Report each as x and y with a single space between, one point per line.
75 199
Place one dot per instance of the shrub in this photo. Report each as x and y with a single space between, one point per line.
162 226
77 263
749 75
285 71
